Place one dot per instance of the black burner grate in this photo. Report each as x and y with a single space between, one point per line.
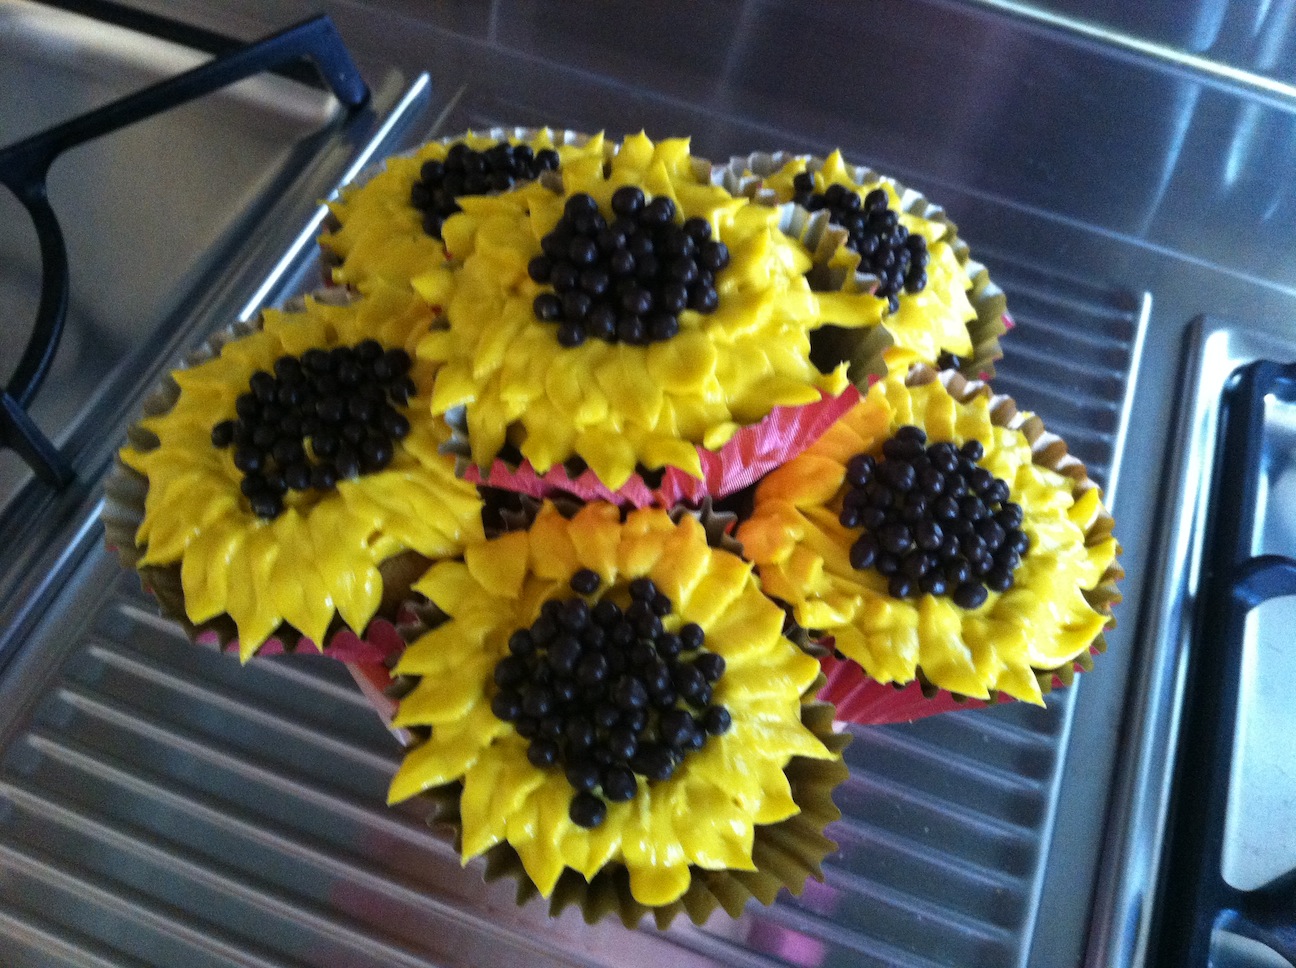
1197 900
25 165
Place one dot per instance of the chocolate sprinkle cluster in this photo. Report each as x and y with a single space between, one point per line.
608 695
466 171
319 418
628 280
935 522
885 247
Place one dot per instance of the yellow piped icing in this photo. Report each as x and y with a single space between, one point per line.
704 816
379 234
615 405
321 556
928 323
802 552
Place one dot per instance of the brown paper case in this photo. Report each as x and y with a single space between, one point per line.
864 701
864 348
785 853
123 512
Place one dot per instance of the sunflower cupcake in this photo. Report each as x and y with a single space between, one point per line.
870 233
612 714
636 321
287 482
389 225
942 538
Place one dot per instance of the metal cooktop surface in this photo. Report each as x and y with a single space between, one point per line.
159 798
160 805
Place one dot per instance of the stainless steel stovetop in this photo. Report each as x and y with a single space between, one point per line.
160 805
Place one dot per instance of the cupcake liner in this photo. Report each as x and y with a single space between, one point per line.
864 701
786 854
373 676
373 679
125 490
751 453
866 350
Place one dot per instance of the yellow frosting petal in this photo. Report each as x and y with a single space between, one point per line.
705 815
379 237
927 323
1043 622
617 407
320 558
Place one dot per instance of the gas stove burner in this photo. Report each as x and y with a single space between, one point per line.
1221 847
1233 835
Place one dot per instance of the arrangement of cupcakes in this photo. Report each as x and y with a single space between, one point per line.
621 480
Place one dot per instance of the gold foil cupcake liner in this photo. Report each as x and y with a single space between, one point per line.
786 854
864 349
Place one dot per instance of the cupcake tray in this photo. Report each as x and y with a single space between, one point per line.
161 805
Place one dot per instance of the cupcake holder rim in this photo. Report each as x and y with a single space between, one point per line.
752 452
787 853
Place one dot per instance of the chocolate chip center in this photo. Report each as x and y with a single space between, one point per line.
466 171
886 248
628 280
935 522
320 417
607 694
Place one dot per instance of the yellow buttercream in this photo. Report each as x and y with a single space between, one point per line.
379 234
929 322
705 815
616 405
321 556
1043 622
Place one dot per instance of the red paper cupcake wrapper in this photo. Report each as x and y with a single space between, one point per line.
380 642
867 702
375 683
750 454
374 679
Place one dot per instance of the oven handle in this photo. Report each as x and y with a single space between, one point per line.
1255 582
